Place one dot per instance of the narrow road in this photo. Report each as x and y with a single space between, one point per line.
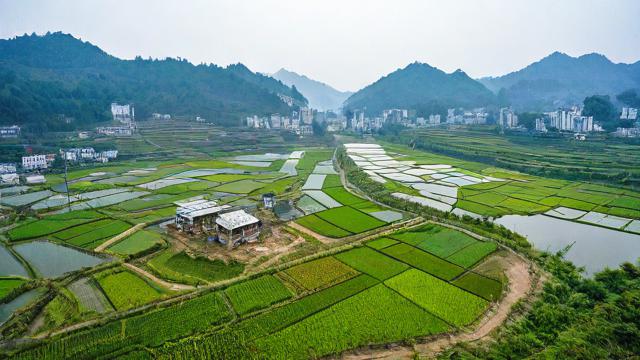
166 284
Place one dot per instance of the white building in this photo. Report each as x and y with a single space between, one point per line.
34 162
629 114
116 130
35 179
540 125
508 118
9 179
237 227
123 113
276 121
9 131
8 168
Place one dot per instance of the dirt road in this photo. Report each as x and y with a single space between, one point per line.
166 284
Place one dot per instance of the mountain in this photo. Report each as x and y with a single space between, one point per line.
421 86
43 77
562 80
321 96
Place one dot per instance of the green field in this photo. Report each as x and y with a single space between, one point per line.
438 297
424 261
8 284
257 294
437 240
350 219
240 187
181 267
53 223
319 273
322 227
353 322
473 253
136 243
372 263
126 290
381 243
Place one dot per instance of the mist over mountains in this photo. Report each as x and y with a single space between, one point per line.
320 95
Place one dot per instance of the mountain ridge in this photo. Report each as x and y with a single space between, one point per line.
43 77
320 95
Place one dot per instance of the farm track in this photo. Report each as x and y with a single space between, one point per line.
166 284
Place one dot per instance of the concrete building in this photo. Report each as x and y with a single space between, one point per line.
34 162
629 113
198 216
540 125
158 116
9 131
508 118
35 179
116 130
123 113
9 179
269 200
8 168
276 121
237 227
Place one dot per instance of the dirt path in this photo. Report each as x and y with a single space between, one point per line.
520 285
166 284
119 237
323 239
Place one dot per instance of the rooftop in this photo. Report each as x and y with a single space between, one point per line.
197 208
235 219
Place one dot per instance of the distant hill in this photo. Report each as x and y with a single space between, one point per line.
320 95
418 86
562 80
42 77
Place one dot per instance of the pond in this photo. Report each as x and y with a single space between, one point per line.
593 247
285 211
9 265
52 260
23 299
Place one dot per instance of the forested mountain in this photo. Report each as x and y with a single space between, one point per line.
320 95
418 86
562 80
45 77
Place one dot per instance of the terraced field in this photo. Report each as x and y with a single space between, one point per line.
370 294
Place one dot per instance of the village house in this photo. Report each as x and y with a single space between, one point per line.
198 216
237 227
34 162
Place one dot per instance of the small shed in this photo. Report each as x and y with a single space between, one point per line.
35 179
237 227
198 216
269 200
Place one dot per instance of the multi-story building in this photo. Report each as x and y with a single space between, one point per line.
34 162
306 115
629 113
540 125
9 131
276 121
123 113
508 118
571 120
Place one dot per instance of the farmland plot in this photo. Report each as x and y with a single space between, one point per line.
424 261
136 243
257 294
473 253
448 302
372 262
126 290
350 219
359 320
315 274
322 227
482 286
90 297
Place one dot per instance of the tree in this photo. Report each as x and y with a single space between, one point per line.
629 98
528 119
318 128
602 110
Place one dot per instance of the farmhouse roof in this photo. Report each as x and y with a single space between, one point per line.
199 208
235 219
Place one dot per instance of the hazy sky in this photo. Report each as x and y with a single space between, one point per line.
346 43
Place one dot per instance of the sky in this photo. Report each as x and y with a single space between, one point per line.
345 43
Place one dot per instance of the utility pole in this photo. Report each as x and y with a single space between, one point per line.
66 184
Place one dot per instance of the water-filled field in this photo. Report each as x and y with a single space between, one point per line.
53 260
